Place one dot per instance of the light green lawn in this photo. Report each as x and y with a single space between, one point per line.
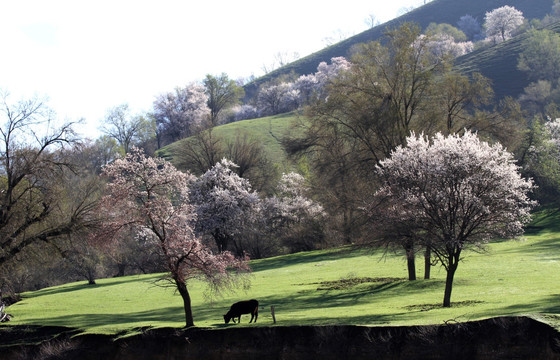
514 277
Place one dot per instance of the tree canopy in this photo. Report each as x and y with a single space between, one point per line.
451 193
151 198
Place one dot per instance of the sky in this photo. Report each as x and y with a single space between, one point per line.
88 56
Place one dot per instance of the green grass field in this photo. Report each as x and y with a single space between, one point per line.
339 286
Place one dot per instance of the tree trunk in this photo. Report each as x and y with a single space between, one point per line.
221 241
427 262
452 267
182 287
121 268
410 262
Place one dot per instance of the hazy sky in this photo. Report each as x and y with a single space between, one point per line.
87 56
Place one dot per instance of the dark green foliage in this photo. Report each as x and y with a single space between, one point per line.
540 58
447 29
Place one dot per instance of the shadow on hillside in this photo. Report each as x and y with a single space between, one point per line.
547 221
81 286
546 248
102 319
331 299
366 319
305 258
548 304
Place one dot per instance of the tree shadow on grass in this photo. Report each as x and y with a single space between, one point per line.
91 320
549 248
332 299
548 220
305 258
549 304
84 285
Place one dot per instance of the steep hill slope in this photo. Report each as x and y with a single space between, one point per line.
499 64
438 11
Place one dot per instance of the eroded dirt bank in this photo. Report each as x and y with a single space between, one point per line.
498 338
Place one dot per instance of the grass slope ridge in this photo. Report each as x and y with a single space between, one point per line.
438 11
331 287
268 130
499 64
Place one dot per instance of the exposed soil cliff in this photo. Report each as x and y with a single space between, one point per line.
498 338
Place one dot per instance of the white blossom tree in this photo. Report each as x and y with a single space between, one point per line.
244 112
443 45
178 113
277 98
313 85
501 22
291 204
452 193
291 215
225 204
150 198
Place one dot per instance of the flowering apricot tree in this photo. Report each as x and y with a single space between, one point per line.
453 192
500 23
225 204
151 198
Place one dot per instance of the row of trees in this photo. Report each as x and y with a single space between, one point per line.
153 217
365 169
383 187
194 222
178 114
187 110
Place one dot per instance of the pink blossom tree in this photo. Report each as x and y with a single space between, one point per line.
151 198
452 193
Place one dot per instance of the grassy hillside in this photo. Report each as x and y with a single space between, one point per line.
438 11
499 64
340 286
268 130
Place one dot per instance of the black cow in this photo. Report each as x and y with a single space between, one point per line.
243 307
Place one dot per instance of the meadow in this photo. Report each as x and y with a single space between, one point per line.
335 286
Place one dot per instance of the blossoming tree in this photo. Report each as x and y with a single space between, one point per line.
151 198
225 205
500 23
452 193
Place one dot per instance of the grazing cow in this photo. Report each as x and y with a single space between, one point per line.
243 307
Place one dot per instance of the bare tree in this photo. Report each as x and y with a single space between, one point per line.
123 127
33 170
371 21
